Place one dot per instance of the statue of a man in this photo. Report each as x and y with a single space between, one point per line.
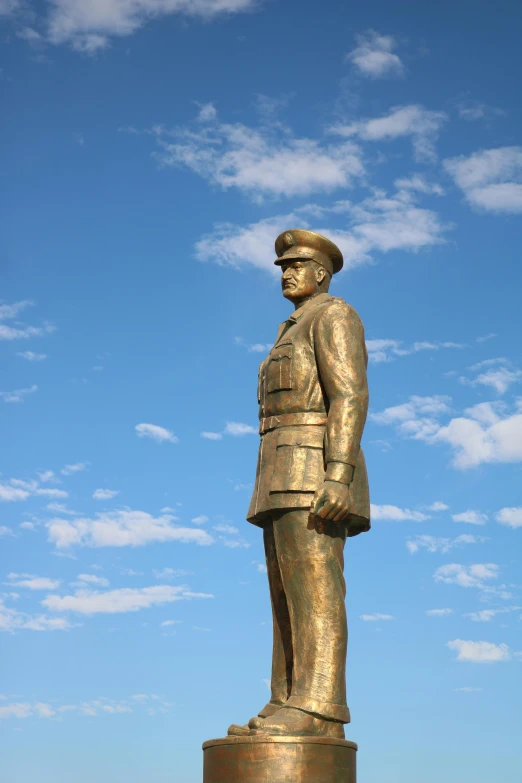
311 489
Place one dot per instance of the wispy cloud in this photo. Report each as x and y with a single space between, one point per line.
439 612
31 356
155 432
89 27
126 599
386 350
12 620
470 517
511 517
267 160
32 582
475 575
105 494
235 428
374 56
17 395
479 652
20 331
441 544
396 514
485 433
122 528
381 223
491 180
77 467
415 121
373 618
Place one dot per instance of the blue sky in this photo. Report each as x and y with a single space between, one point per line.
152 151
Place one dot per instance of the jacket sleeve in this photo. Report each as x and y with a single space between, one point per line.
341 361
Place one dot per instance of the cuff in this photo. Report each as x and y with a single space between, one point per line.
325 709
339 471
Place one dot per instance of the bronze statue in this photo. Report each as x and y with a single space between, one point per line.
311 490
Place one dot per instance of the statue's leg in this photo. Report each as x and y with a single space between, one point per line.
311 561
282 660
282 651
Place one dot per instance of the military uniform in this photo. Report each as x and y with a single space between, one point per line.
313 399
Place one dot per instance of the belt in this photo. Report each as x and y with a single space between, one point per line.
290 420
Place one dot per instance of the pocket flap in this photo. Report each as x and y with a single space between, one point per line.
282 351
312 439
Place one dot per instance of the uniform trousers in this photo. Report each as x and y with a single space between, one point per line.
305 560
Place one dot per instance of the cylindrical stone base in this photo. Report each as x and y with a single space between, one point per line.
279 760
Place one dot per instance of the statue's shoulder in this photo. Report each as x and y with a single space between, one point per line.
336 307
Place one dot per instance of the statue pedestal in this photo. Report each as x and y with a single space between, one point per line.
279 760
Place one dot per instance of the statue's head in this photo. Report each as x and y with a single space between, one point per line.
308 261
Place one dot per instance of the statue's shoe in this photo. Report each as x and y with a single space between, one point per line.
292 722
238 730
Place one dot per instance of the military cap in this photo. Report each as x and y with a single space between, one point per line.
307 245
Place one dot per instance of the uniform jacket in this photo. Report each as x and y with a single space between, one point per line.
313 401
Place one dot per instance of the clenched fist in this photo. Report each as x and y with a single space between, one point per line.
331 501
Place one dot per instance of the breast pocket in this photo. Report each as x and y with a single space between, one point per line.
279 369
299 463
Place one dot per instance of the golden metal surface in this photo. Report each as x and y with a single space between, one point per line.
279 760
310 495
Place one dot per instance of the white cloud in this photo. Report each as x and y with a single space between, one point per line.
479 652
170 573
155 432
491 180
33 582
200 520
105 494
20 331
437 544
88 26
470 109
467 689
8 6
467 576
439 612
484 434
486 615
438 506
470 517
122 528
77 467
485 337
498 379
12 620
31 356
17 395
8 493
263 161
421 124
6 531
253 347
230 529
94 708
377 224
374 56
92 579
237 428
418 183
371 618
396 514
212 435
511 517
46 475
126 599
386 350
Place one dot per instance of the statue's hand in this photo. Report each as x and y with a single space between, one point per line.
331 501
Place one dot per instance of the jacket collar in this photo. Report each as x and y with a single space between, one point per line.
316 300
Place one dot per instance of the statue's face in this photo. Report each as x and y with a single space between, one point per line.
301 279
